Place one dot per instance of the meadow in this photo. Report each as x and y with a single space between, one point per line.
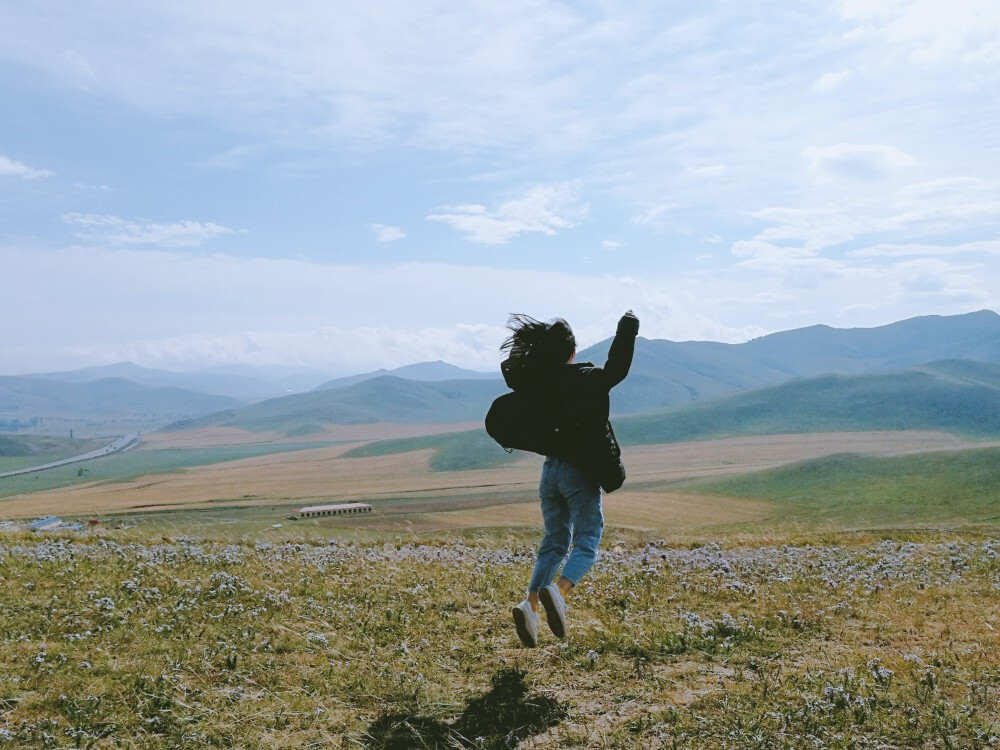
185 482
119 640
22 451
753 592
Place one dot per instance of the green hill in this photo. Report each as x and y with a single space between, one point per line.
382 399
21 451
958 396
852 489
455 451
669 373
666 374
102 405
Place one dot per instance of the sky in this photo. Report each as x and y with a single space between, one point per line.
347 186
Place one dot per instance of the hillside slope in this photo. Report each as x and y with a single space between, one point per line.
25 397
421 371
382 399
236 386
667 373
857 490
955 396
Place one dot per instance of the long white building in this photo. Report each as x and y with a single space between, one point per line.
317 511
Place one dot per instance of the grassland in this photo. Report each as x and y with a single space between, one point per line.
818 640
850 489
253 493
22 451
452 452
137 463
931 398
729 609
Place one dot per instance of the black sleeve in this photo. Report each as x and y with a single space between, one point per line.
621 352
619 358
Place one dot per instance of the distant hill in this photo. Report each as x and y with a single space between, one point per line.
421 371
232 384
382 399
955 396
856 490
668 373
109 400
952 396
664 374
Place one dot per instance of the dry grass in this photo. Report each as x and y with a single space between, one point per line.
322 475
833 642
221 436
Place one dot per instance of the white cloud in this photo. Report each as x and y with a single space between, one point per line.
895 218
611 244
543 209
763 298
829 81
176 309
384 233
116 231
653 214
11 168
907 249
337 350
859 161
709 170
932 30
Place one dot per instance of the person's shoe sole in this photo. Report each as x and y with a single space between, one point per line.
523 632
557 623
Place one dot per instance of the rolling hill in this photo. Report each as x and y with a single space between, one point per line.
421 371
955 396
664 374
668 373
232 384
851 489
109 400
952 396
382 399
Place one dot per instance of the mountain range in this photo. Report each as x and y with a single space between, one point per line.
957 396
422 371
668 373
665 374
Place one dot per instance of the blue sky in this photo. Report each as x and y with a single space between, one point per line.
351 186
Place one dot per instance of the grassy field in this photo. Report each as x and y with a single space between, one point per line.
452 452
812 640
247 491
852 490
122 467
23 451
732 606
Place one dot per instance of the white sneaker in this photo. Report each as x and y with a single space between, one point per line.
555 609
526 622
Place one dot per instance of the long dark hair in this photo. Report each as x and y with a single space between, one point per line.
538 345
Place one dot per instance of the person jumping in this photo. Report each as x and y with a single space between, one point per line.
541 361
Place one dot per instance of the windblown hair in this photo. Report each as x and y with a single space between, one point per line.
539 345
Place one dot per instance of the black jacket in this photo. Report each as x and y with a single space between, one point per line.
577 395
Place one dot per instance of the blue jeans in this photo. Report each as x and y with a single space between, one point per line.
571 510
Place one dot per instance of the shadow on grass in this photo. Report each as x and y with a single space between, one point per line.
502 718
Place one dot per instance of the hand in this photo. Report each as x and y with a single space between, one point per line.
629 324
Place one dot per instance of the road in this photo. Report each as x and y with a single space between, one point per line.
122 443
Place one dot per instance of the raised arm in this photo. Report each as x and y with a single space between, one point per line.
622 349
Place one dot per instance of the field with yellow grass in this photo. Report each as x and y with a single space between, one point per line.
248 481
836 590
